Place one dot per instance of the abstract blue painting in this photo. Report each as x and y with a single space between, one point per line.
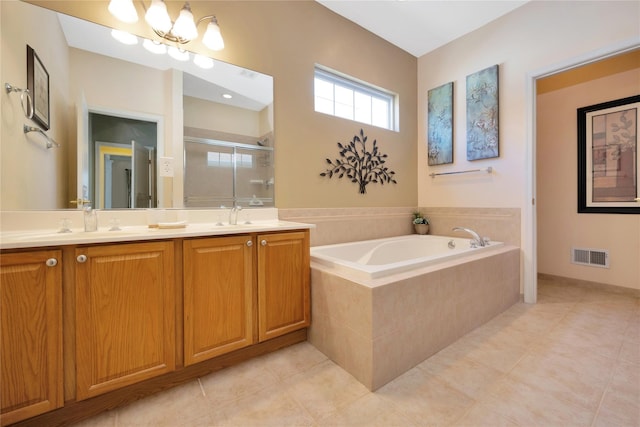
482 114
440 125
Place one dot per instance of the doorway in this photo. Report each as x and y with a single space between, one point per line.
122 168
530 218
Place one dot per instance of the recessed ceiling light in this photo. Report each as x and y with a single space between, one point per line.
227 96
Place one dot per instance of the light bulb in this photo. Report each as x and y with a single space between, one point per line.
153 47
203 61
212 37
177 54
158 17
185 27
124 37
123 10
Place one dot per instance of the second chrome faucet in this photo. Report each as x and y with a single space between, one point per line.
233 215
476 239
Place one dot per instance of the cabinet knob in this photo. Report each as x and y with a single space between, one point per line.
51 262
81 258
249 243
263 243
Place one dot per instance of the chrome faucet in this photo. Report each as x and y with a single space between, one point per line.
477 240
233 215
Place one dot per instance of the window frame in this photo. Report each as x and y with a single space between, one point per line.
357 86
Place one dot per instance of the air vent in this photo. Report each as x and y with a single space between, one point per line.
592 257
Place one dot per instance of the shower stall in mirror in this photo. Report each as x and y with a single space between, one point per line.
224 173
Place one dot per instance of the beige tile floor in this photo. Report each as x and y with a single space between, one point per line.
573 359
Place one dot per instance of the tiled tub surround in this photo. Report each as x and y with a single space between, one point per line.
339 225
378 329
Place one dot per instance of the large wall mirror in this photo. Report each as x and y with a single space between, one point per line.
137 129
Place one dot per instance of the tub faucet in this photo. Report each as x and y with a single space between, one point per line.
233 215
476 241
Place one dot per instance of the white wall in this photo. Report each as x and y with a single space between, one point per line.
33 177
560 227
533 37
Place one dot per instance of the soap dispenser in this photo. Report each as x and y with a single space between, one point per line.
90 219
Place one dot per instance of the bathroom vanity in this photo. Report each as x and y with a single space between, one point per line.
91 321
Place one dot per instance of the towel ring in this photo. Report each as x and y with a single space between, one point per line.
28 109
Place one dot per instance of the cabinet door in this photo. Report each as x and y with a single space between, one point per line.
283 283
31 338
125 315
218 296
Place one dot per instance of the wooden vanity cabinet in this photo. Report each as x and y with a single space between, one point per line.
31 334
125 315
233 297
283 283
218 296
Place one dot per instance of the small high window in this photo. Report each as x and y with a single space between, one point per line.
345 97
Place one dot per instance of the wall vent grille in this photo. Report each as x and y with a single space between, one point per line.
592 257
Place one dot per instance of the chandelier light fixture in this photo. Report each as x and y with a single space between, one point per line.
181 31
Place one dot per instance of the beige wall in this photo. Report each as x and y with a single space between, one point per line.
285 39
32 177
203 114
560 227
536 36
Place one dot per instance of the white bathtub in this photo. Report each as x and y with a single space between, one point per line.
373 259
377 324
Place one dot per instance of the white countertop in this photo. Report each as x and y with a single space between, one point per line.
39 235
39 238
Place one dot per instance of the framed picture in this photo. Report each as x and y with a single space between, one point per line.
440 125
38 85
608 157
482 114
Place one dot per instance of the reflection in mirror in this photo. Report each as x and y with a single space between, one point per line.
248 167
123 161
125 85
226 144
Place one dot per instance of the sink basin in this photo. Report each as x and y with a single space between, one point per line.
74 235
35 238
42 236
246 226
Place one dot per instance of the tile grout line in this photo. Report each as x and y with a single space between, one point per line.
606 389
201 388
610 380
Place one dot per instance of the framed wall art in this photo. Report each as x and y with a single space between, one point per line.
608 157
482 114
38 85
440 125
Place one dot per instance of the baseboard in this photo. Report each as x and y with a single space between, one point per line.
591 285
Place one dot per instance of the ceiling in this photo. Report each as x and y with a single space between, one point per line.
420 26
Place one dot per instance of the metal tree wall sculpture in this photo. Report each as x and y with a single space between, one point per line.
359 165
